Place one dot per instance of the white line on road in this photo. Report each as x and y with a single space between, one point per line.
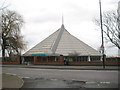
11 74
105 82
25 77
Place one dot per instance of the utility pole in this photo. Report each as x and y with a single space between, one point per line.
102 45
118 11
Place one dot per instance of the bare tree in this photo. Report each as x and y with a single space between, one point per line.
111 27
2 8
12 40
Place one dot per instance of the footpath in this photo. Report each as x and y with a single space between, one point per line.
65 67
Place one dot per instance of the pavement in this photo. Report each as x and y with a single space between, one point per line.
65 67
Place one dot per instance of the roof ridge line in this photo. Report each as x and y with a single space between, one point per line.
57 40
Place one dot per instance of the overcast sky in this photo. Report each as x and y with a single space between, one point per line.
43 17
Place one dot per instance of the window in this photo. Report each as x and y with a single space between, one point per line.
94 58
83 59
53 59
78 59
42 59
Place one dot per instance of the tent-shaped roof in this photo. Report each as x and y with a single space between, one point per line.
62 42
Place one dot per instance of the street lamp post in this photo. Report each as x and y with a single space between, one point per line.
102 46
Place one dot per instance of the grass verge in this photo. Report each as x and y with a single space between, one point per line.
11 81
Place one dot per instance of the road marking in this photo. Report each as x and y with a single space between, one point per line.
12 74
91 82
105 82
17 75
26 77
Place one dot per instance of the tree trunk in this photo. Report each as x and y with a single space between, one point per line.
3 48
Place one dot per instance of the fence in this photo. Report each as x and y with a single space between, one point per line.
10 60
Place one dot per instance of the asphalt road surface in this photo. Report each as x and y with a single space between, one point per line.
56 78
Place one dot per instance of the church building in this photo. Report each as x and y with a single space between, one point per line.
61 46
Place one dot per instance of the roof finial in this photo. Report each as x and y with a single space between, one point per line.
62 26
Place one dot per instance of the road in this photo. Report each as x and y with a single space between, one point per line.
88 76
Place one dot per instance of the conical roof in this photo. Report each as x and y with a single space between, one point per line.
62 42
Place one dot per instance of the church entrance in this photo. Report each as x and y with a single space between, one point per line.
28 60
